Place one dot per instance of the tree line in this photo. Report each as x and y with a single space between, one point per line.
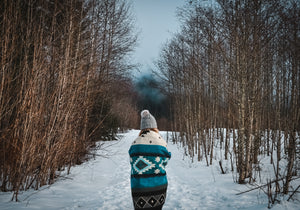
63 84
233 70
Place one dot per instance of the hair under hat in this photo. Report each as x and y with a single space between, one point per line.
147 120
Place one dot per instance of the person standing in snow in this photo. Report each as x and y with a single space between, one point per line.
148 158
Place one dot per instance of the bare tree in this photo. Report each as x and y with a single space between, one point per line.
233 66
56 58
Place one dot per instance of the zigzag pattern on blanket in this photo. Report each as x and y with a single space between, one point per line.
148 165
153 200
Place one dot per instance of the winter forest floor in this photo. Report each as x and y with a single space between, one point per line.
104 183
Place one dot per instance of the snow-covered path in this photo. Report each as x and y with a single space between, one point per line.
104 183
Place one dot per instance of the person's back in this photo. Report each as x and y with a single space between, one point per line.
148 158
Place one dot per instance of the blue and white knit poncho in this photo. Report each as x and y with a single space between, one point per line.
148 158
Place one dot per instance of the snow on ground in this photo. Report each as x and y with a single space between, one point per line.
104 183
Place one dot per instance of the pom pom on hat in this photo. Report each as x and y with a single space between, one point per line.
144 113
147 120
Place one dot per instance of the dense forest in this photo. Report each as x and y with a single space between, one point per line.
231 72
63 84
234 70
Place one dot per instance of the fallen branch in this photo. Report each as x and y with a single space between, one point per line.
261 186
293 193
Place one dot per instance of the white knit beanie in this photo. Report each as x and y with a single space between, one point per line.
147 120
